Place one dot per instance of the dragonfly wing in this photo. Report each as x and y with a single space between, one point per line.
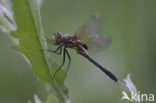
89 34
92 26
97 43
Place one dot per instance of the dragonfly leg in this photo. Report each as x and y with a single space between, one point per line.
64 57
55 51
60 51
69 61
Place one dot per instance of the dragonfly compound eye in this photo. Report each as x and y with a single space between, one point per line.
57 36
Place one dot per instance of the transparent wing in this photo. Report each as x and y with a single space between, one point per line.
97 43
89 34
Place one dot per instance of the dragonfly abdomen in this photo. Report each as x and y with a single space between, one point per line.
108 73
78 47
80 50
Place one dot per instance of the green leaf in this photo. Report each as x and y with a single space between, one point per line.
31 43
51 99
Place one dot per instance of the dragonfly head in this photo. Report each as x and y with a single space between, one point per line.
58 37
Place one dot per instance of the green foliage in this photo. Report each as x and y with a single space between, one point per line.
31 44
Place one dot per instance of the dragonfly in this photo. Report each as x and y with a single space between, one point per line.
86 39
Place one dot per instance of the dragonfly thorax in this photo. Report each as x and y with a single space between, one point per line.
72 42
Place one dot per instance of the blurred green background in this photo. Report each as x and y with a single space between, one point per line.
130 23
